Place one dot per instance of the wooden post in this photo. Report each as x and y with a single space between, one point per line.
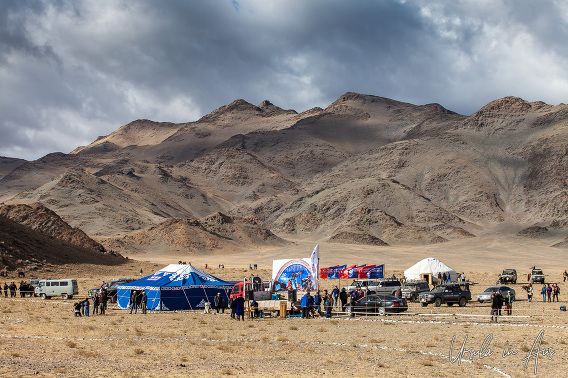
283 309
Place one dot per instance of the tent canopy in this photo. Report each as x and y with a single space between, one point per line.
431 266
176 287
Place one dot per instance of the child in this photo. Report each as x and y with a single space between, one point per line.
77 307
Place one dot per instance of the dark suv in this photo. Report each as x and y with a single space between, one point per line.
110 287
411 290
448 293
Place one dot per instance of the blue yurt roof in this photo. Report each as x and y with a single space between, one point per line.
177 275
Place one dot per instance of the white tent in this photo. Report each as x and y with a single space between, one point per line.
429 267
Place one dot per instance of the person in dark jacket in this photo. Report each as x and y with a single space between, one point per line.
343 299
219 303
305 304
96 304
232 307
144 302
496 304
5 290
240 307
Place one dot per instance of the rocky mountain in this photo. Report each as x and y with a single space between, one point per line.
43 220
366 170
217 232
22 247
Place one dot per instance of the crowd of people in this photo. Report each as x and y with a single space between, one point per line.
10 288
82 307
311 305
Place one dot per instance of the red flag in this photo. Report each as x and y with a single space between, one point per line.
344 274
324 272
362 270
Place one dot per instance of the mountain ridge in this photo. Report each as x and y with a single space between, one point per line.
365 169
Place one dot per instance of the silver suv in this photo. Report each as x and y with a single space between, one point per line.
375 286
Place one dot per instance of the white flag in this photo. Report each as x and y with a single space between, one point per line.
315 266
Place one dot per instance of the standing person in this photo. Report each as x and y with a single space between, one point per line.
530 292
13 290
328 303
5 290
232 307
501 300
305 304
86 305
495 303
144 302
104 298
102 302
343 299
555 293
132 301
439 278
398 292
317 303
543 292
549 292
240 307
218 302
509 303
77 306
96 304
138 301
565 275
335 295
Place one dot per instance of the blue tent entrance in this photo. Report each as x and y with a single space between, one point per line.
176 287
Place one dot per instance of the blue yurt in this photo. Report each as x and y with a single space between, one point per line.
176 287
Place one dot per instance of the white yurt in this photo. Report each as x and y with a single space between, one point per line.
428 270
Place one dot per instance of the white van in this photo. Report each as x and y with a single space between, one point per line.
54 288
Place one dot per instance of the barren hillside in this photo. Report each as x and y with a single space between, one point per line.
365 170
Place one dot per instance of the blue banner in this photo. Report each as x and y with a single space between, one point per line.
333 272
376 272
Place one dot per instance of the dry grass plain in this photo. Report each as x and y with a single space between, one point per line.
44 338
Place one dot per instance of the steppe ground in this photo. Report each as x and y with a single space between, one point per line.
44 338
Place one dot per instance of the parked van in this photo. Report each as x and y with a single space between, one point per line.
66 288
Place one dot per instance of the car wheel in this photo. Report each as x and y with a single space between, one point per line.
382 311
43 296
64 296
438 302
463 301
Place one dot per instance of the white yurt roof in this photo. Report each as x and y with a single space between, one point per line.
429 265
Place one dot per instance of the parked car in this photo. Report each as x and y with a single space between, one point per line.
447 293
110 287
66 288
537 276
486 295
377 304
375 286
508 276
411 290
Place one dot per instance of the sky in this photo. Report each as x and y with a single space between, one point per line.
71 71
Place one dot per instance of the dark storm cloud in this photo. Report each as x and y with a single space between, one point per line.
74 70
